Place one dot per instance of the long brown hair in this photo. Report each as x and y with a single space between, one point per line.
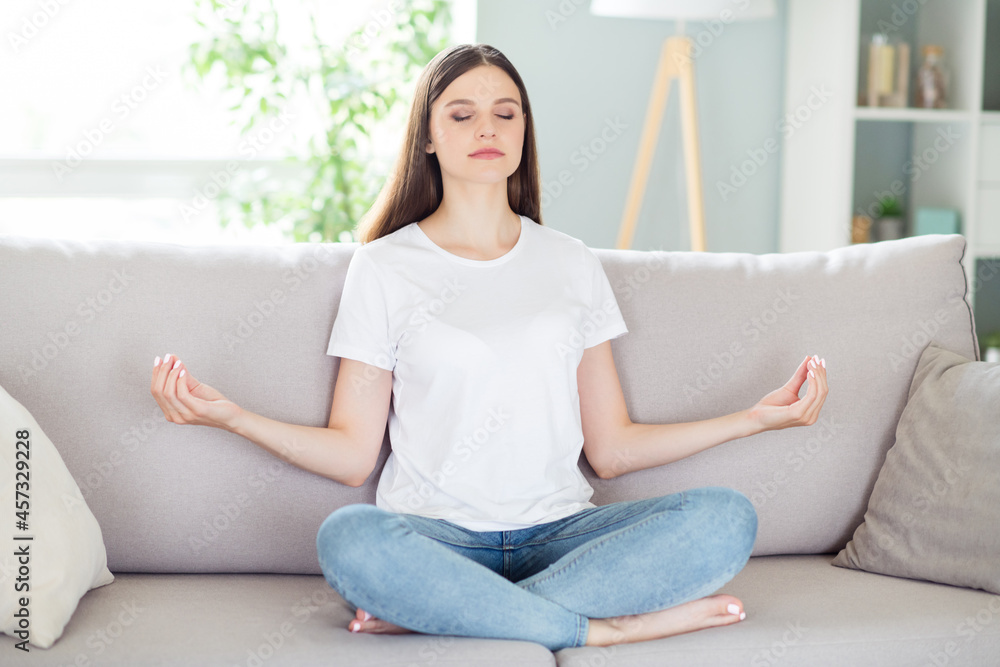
414 189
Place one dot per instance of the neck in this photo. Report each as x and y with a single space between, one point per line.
476 215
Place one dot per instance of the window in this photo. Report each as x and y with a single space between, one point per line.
107 137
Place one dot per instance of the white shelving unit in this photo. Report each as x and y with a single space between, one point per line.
842 155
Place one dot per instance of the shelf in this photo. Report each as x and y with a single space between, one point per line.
911 115
854 156
985 251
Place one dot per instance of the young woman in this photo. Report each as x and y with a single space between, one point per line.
491 335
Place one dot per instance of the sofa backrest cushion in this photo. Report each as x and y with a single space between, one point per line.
710 333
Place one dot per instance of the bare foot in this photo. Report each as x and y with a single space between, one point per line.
707 612
365 622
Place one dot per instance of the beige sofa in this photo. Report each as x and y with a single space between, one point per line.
212 541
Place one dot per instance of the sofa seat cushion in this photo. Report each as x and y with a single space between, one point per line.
245 619
800 611
803 611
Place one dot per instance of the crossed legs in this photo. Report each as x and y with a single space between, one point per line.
619 573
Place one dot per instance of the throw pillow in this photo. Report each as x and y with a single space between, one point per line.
934 510
51 548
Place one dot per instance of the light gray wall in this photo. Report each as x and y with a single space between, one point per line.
585 73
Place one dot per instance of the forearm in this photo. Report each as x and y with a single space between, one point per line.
324 451
642 446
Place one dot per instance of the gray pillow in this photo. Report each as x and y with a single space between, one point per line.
934 513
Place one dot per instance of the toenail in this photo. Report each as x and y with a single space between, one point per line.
356 628
368 616
733 609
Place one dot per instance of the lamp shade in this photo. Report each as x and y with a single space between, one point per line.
690 10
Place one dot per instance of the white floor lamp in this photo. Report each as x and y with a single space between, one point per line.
675 63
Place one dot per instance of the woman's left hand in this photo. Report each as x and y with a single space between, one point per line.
783 408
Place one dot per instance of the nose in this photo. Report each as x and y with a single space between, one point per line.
486 129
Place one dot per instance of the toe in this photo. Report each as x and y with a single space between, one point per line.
729 609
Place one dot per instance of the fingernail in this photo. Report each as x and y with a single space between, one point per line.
166 358
743 615
733 609
823 362
811 374
156 362
182 375
176 364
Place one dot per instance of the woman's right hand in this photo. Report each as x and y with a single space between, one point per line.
185 400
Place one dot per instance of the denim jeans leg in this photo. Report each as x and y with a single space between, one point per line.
378 562
638 556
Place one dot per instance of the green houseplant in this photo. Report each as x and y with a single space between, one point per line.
890 221
991 346
355 86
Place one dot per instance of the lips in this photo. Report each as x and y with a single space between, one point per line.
487 153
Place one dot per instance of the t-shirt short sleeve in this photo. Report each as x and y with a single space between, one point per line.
604 313
361 329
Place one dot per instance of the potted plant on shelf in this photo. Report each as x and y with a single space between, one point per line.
991 346
890 222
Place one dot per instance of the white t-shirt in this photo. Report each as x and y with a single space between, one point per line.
484 420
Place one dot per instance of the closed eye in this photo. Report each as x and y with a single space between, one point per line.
458 119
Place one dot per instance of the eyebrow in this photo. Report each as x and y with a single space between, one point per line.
497 101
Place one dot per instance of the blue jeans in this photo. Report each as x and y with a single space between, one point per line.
542 583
